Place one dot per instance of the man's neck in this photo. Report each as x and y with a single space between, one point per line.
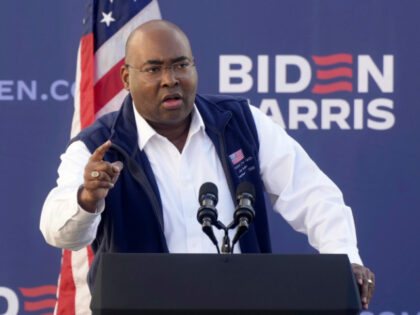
177 134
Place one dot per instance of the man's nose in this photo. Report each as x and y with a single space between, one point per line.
169 77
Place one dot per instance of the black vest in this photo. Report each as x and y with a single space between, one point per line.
133 219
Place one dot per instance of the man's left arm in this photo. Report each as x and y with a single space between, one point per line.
307 199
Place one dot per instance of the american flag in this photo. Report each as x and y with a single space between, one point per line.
236 157
99 90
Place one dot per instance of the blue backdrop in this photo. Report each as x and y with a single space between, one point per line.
363 132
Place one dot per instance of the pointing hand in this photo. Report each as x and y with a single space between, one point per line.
99 177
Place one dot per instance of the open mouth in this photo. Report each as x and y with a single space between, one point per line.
172 100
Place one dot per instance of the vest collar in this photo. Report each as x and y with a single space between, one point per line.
215 117
124 129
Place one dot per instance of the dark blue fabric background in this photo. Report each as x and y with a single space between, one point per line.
378 171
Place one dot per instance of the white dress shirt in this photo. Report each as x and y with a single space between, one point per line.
307 198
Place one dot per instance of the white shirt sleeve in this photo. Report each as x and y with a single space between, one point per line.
63 222
306 197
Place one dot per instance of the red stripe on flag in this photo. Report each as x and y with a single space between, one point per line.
108 86
37 291
91 255
334 73
333 87
332 59
87 114
67 295
35 306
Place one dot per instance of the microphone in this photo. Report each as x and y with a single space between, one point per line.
207 213
244 211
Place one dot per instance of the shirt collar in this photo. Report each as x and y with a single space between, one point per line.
145 132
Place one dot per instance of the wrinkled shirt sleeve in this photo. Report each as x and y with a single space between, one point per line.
64 223
306 198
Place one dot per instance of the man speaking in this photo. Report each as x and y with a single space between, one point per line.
129 182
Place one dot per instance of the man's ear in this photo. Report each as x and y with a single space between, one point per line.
124 77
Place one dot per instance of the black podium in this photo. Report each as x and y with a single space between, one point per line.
225 284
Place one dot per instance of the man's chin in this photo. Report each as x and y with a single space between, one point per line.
171 119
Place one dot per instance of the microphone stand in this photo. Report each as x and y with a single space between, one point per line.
226 248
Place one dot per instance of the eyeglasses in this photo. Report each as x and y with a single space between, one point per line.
154 72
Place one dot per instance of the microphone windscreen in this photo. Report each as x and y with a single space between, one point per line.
207 188
245 187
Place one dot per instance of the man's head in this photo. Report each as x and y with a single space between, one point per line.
160 73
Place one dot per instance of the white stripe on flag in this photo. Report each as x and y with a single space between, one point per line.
76 123
113 50
113 105
58 283
80 263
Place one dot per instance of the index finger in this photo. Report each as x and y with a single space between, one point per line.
99 153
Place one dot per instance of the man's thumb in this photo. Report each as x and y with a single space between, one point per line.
117 166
